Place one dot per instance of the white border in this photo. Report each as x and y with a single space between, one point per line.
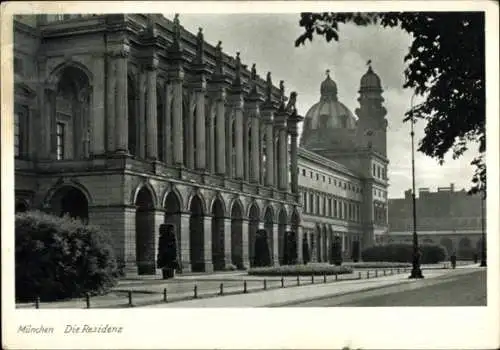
376 328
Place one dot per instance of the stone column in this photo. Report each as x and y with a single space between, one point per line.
177 126
229 145
280 124
294 165
239 140
244 243
130 257
276 260
209 137
201 162
246 149
227 242
140 121
221 134
255 161
276 158
300 237
269 181
151 118
110 103
314 246
121 101
167 125
207 243
184 242
159 218
49 126
97 116
189 142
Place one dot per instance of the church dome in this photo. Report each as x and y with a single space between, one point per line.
328 87
329 113
370 80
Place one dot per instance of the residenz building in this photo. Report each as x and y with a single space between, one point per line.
129 121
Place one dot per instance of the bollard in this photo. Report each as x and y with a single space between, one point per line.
244 286
384 272
376 273
298 280
336 276
165 294
37 302
282 282
130 298
265 284
87 300
367 274
324 277
222 289
359 275
195 291
392 271
312 278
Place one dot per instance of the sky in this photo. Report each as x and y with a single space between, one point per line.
268 41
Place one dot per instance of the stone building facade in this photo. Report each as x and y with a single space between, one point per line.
130 121
343 170
453 219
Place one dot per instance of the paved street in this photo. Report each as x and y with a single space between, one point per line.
458 288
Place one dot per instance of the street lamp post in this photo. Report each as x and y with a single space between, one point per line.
416 272
483 234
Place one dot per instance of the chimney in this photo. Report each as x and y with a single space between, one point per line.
452 187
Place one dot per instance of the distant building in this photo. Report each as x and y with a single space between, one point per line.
343 170
447 217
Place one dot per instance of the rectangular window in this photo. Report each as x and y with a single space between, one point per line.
330 180
60 140
311 174
303 172
378 172
335 208
324 179
317 205
17 135
311 202
304 201
374 170
324 206
345 210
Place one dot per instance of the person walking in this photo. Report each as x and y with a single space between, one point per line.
453 260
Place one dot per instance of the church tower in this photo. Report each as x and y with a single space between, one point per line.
372 125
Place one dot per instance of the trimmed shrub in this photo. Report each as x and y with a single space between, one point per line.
400 252
305 251
58 258
377 265
336 252
167 248
262 252
300 270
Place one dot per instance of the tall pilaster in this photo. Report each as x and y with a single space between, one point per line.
220 132
151 117
280 124
185 242
268 127
207 243
237 106
227 242
293 120
244 243
167 124
110 102
275 245
49 123
140 121
176 62
200 140
254 161
121 99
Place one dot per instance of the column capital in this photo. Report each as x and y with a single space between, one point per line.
176 74
236 101
217 92
151 64
121 50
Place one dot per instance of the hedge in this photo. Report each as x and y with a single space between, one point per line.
300 270
58 258
377 265
400 252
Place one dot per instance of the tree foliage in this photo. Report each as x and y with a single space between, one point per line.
445 65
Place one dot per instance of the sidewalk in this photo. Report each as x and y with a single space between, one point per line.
285 296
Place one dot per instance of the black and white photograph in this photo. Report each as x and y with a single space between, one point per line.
166 161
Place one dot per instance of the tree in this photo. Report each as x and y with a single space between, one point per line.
445 65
